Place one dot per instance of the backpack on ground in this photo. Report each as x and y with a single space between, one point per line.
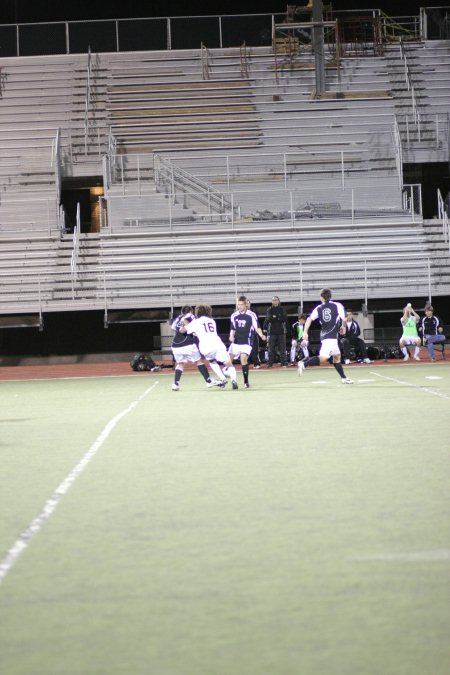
141 362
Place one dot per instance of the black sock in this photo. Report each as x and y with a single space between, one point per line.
312 361
204 371
245 373
339 368
178 374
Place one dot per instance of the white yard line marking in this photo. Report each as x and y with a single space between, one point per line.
434 555
414 386
37 524
433 377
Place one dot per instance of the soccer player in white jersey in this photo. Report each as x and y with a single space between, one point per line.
243 327
185 350
209 343
331 316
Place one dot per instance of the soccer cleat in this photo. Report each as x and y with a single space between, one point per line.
346 380
367 361
246 385
213 383
300 368
175 387
257 366
406 358
234 384
416 358
347 361
433 358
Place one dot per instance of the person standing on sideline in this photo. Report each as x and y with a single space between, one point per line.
254 354
410 335
276 325
210 344
297 337
331 316
431 330
185 350
243 328
353 339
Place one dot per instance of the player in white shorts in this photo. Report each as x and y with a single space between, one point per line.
331 316
243 327
209 343
185 350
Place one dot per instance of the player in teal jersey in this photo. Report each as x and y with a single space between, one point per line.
410 336
297 337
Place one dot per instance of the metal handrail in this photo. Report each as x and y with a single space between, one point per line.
398 151
87 102
205 61
167 173
410 86
444 216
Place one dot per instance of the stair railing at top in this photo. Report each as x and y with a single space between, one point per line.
56 162
410 87
205 61
397 142
243 56
173 179
87 104
444 216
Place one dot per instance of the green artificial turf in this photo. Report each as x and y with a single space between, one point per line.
299 527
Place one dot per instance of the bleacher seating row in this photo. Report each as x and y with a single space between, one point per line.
290 161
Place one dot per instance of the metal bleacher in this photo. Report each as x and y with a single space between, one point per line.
223 173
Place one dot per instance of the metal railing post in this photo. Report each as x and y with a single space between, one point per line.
291 208
228 174
342 170
366 295
285 174
429 280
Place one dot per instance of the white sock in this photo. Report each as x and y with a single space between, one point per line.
216 368
293 354
305 352
232 373
416 352
404 351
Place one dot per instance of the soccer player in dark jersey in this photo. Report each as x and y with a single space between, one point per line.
185 350
243 326
331 316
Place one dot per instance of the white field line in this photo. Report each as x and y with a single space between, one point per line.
414 386
37 524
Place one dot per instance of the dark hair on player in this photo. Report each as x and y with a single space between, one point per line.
203 310
187 309
302 316
242 298
325 293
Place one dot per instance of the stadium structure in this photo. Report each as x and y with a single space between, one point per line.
146 164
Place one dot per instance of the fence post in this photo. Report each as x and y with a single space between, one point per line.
353 205
232 211
429 280
342 170
365 283
139 176
121 173
291 209
228 175
301 284
284 169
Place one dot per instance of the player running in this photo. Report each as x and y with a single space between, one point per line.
209 343
185 350
331 316
244 326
